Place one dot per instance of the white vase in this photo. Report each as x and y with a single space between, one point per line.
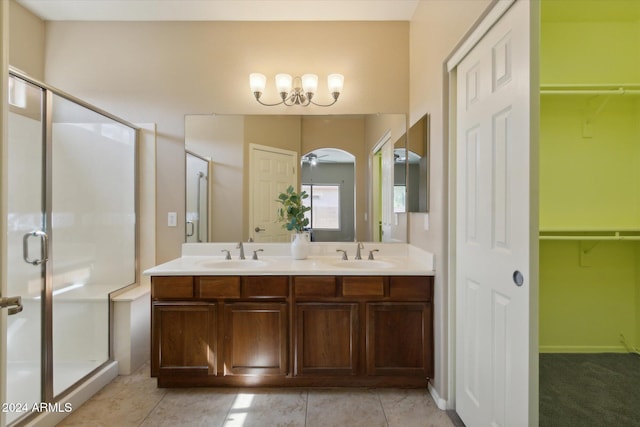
300 245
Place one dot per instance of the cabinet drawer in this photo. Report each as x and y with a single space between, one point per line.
170 287
411 287
265 286
219 287
315 286
371 286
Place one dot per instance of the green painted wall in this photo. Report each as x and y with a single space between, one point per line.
589 178
589 182
587 301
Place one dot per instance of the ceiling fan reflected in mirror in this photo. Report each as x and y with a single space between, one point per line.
312 158
327 155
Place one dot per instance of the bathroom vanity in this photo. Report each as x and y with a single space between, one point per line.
279 322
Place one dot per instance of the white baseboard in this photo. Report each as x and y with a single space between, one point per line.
440 402
581 349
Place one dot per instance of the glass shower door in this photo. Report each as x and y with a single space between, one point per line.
92 233
71 239
26 245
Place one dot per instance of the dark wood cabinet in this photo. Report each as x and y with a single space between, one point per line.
255 339
292 331
184 339
326 339
399 339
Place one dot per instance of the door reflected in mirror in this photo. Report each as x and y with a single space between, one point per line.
328 177
389 188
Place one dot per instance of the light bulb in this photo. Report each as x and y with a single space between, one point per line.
257 82
283 83
335 83
309 83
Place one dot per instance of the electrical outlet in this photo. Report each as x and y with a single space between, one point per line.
172 219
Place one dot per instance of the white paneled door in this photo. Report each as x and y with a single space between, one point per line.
272 171
493 351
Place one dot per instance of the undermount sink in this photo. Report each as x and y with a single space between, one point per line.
363 264
234 264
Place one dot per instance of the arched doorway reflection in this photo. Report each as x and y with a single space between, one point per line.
328 176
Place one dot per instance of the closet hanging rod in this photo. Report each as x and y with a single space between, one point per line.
591 86
616 236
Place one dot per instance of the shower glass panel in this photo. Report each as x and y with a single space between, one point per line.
25 215
92 233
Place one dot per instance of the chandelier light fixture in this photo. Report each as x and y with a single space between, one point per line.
296 90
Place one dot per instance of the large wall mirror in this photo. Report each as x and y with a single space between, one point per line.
253 157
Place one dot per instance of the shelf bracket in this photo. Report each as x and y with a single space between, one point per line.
585 250
595 105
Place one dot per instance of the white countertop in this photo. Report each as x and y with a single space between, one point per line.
206 259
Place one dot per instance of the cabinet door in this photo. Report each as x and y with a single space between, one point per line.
399 339
184 339
255 339
326 339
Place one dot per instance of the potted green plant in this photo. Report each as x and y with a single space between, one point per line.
291 214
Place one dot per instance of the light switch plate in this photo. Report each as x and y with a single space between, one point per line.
172 219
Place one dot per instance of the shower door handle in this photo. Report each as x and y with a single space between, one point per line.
190 223
44 249
13 303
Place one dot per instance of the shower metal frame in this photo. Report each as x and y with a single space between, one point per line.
46 376
198 201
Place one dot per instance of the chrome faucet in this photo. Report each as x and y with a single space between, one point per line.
241 247
255 254
360 246
228 255
344 254
371 253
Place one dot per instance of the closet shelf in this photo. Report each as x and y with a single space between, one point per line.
599 235
591 89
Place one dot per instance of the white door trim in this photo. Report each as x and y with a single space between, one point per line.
480 28
4 78
498 8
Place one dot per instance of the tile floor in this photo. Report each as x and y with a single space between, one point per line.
135 400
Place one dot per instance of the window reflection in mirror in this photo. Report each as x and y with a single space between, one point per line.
400 175
328 176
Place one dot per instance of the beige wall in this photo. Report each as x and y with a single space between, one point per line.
221 139
437 26
160 71
26 41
